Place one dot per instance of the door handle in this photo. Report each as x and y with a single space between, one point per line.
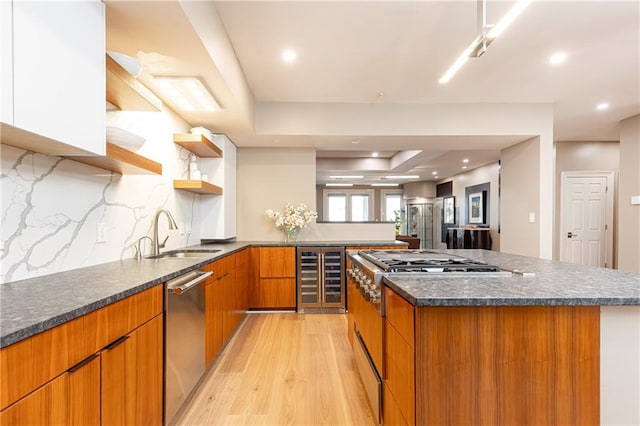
571 234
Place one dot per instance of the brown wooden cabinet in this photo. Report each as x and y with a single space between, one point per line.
275 285
399 357
226 300
57 377
132 377
503 365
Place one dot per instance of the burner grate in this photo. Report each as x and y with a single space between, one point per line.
424 261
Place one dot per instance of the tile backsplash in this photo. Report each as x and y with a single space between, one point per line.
52 207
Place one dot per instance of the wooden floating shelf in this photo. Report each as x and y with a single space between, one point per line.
126 92
197 144
121 161
197 186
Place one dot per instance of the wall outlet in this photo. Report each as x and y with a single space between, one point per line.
102 232
532 217
635 200
188 228
181 228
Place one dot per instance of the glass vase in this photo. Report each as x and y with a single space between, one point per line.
290 235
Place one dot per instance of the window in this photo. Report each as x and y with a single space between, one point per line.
351 205
391 202
336 207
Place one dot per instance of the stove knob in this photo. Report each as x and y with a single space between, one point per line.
367 295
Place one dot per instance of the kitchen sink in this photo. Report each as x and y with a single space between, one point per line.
182 254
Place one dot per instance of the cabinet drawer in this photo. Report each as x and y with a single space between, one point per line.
275 293
30 363
400 313
391 414
277 262
399 371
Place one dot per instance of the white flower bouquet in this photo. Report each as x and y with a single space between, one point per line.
292 219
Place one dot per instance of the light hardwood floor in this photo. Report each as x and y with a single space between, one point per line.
283 369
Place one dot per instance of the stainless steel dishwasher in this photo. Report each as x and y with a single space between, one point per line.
184 356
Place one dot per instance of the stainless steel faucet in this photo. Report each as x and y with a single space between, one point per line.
139 254
172 225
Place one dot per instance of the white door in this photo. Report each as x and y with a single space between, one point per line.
587 211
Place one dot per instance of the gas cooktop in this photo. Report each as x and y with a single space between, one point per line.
400 261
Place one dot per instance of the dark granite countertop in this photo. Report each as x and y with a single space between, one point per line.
553 283
33 305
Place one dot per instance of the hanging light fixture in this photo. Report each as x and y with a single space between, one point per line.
486 34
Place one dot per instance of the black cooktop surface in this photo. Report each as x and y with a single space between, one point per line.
423 261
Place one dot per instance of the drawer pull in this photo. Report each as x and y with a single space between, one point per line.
82 363
115 343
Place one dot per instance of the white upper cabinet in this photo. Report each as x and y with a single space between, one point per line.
53 62
218 212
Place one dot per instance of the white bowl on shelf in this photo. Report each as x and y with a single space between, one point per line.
124 138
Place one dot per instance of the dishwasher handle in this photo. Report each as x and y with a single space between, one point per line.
186 282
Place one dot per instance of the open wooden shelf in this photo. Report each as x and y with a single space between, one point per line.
121 161
126 92
197 186
198 144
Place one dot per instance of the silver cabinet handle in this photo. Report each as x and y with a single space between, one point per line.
179 286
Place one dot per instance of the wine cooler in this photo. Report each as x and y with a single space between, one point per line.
321 279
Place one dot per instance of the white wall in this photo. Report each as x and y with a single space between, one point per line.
51 206
629 215
520 195
488 173
585 156
619 365
267 179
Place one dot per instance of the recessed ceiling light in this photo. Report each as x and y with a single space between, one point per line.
557 58
464 167
338 184
345 177
434 173
403 177
602 106
289 55
436 177
466 160
385 184
355 142
374 154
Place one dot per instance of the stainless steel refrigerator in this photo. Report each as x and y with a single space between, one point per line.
420 223
321 279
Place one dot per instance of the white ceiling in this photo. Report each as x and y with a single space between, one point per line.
349 51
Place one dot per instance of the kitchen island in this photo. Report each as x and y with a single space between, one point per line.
557 344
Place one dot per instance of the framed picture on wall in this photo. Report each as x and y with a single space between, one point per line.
476 208
449 209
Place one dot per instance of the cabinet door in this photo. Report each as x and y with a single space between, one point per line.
59 72
48 405
309 278
274 293
277 262
214 309
84 393
333 274
6 67
132 377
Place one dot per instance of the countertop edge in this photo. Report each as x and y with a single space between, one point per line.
234 247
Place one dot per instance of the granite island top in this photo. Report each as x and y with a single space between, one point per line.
33 305
553 283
